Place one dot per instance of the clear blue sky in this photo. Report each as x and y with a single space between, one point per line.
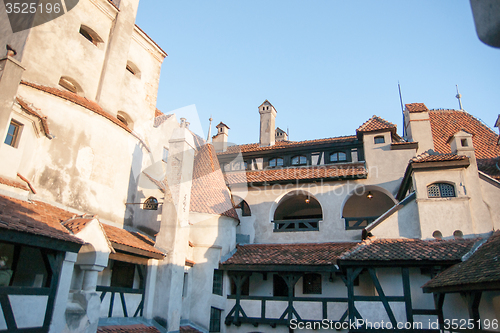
326 65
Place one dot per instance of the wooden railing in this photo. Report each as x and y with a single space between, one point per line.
296 225
121 292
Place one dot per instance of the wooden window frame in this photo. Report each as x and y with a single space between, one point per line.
16 135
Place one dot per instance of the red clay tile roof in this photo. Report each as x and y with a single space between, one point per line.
158 113
129 238
79 100
221 124
376 123
209 193
35 217
327 172
254 147
30 109
416 107
188 329
426 157
138 328
410 249
483 266
312 254
161 119
13 183
77 224
445 123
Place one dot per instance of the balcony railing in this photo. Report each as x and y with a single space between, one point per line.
296 225
353 223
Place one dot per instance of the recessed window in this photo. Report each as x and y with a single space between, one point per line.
245 208
311 283
299 160
215 315
124 118
13 134
133 69
122 274
441 190
70 85
151 203
338 157
379 139
90 35
458 234
185 284
276 162
164 157
464 142
217 285
437 234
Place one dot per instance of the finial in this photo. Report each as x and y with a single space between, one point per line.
458 96
209 129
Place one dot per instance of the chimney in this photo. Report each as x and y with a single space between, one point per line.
461 144
267 124
280 135
418 126
220 140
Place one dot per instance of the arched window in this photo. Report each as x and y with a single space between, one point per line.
245 208
70 85
299 160
338 156
125 119
379 139
364 207
297 212
150 204
275 162
90 35
133 69
441 190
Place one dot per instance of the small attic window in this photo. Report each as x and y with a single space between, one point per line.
379 139
122 119
133 69
70 85
151 203
464 142
90 35
125 119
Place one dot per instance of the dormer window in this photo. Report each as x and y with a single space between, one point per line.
379 139
338 156
441 190
13 134
275 162
299 160
133 69
90 35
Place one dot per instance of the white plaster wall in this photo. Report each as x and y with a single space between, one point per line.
98 183
491 197
57 48
489 308
32 318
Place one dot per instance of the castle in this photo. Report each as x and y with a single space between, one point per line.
117 217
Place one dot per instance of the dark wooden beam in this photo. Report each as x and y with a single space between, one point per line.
382 296
133 250
34 240
128 258
405 274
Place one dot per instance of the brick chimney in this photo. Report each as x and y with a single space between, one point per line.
220 139
267 124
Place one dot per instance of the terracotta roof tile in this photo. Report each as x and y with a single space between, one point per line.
138 328
130 238
79 100
483 266
426 157
328 172
209 193
416 107
161 119
158 113
410 249
30 109
445 123
376 123
13 183
255 147
221 124
312 254
77 224
35 217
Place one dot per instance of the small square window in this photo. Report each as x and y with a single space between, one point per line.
311 284
13 134
379 139
464 143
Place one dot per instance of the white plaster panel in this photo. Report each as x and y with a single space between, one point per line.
3 324
32 318
274 309
309 310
